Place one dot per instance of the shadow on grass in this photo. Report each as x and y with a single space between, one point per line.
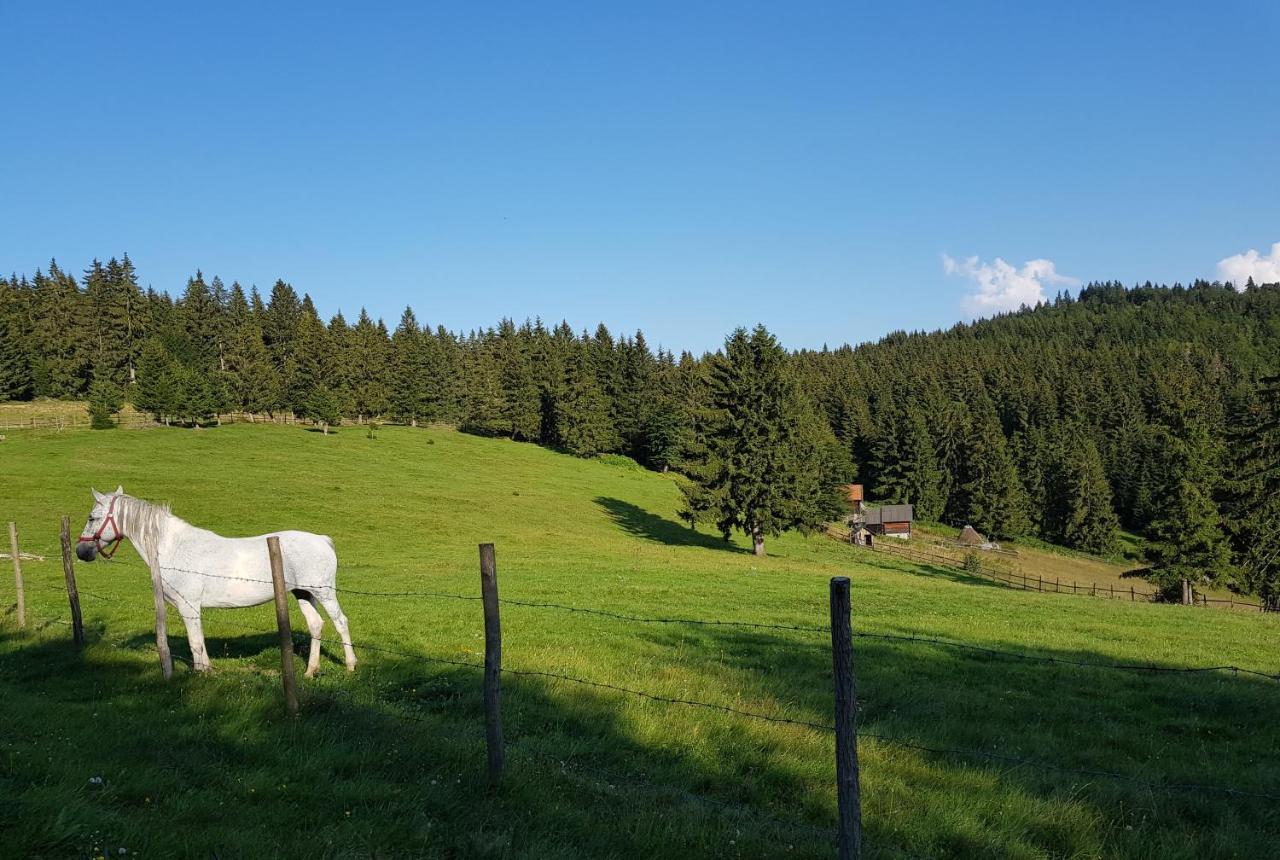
635 520
390 761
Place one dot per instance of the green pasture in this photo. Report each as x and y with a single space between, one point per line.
98 753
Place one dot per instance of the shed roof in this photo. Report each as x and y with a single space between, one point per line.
890 514
971 537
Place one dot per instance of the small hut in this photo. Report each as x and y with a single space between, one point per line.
891 521
969 536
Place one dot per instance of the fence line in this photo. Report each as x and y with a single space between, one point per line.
904 743
1025 583
827 728
858 634
915 638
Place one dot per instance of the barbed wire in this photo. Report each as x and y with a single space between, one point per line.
888 739
673 620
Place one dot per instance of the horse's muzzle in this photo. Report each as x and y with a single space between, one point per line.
86 550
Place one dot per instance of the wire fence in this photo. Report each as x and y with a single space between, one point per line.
660 698
1038 583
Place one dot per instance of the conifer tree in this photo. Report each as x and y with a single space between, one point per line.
322 407
159 387
252 380
313 362
520 411
1083 516
914 476
991 497
763 473
366 364
15 370
105 400
582 414
483 399
410 371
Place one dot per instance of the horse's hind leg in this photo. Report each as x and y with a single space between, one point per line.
330 602
315 624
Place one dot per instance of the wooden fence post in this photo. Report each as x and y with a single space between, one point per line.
1039 583
17 575
492 663
282 624
73 595
1131 597
848 795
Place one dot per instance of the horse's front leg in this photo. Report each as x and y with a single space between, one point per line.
195 638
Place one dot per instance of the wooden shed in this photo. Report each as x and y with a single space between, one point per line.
891 520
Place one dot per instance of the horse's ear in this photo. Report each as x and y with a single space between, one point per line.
96 494
120 490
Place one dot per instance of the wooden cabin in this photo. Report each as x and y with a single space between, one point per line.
890 521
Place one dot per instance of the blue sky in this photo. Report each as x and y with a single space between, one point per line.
836 171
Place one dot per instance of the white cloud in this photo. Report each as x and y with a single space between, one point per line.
1000 287
1263 268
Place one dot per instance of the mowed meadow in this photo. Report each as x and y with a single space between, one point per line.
98 753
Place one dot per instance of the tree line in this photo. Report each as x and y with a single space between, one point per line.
1142 408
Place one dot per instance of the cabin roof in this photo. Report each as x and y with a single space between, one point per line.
890 514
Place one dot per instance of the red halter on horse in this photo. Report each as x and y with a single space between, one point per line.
109 548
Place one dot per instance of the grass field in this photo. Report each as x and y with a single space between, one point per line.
388 762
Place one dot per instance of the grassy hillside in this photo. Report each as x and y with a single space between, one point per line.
389 762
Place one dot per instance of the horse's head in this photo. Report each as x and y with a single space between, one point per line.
101 533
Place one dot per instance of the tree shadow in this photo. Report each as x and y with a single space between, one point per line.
635 520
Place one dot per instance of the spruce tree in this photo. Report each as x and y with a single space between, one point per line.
410 371
159 387
15 370
582 414
521 404
252 380
366 365
991 496
914 475
322 407
1083 514
105 400
763 473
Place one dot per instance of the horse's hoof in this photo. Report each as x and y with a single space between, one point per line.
309 675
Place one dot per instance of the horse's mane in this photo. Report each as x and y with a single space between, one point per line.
144 521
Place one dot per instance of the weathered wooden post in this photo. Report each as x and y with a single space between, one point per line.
848 796
73 595
17 575
282 624
1113 591
492 663
1131 595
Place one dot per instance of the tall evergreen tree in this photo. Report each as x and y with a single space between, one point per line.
763 474
582 414
991 497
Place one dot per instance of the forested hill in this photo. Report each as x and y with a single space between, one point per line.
1137 407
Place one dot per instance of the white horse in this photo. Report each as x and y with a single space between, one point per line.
198 568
